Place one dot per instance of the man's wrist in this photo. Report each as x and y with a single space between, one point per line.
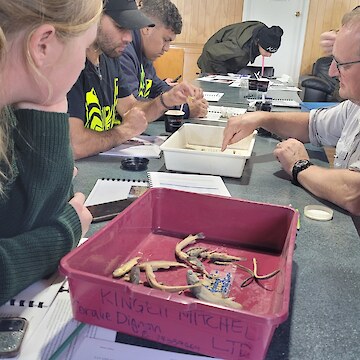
163 103
299 166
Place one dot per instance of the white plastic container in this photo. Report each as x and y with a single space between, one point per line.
196 148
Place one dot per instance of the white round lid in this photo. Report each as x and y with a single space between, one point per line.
318 212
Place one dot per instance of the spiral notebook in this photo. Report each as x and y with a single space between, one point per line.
38 295
109 190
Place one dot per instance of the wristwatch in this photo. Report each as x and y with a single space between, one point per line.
300 165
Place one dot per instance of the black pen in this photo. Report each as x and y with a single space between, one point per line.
176 79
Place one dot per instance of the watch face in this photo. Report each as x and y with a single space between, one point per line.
301 163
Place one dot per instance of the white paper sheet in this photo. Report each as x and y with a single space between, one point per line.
212 96
55 328
94 349
141 146
202 184
283 87
286 103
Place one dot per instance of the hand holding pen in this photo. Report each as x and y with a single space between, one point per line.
172 82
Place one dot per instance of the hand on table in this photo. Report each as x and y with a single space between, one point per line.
77 202
288 152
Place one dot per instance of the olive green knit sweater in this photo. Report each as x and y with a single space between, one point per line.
37 225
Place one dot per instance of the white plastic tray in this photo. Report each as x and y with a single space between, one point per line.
196 148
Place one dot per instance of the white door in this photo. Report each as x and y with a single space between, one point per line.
291 16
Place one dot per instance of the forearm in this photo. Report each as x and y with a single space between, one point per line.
287 125
87 142
153 109
339 186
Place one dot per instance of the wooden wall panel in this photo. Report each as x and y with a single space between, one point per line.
171 64
202 18
191 69
324 15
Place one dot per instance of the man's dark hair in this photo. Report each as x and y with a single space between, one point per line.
165 12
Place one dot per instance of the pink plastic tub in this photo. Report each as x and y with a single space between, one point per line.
150 228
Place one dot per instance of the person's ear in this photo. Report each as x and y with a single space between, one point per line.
146 30
41 44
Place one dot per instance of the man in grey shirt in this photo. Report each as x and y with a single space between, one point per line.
338 126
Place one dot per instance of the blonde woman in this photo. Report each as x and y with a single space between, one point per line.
42 51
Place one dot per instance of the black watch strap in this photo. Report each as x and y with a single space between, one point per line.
299 166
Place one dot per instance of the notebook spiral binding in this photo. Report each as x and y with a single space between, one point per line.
125 180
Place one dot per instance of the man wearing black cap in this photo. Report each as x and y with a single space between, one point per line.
234 46
101 93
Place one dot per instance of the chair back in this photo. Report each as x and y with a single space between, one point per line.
321 70
319 86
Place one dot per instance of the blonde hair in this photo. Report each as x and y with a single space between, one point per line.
70 18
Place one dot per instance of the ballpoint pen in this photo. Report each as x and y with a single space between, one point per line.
176 79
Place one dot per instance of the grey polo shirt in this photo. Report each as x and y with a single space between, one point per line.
338 126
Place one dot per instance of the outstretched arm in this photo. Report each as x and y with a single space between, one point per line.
292 124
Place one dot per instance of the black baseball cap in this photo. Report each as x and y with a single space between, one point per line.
126 14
